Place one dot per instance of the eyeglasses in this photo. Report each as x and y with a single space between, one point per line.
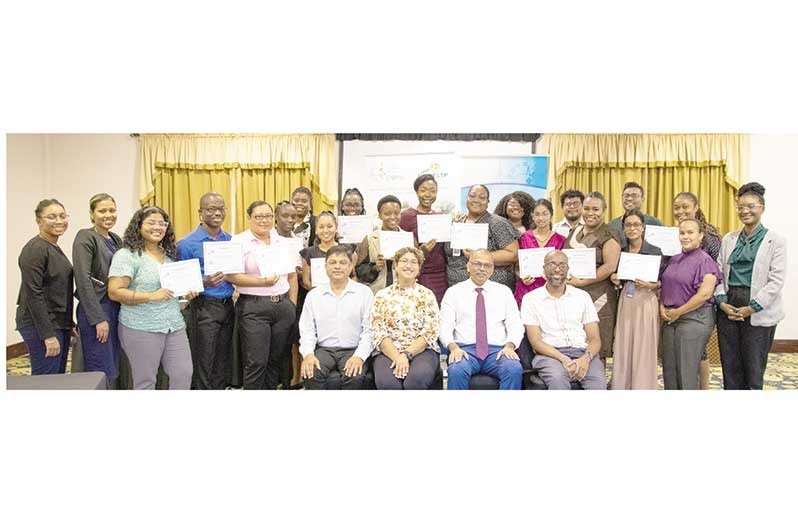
481 197
154 223
214 210
481 265
557 265
633 225
574 203
631 196
54 217
262 217
749 207
408 261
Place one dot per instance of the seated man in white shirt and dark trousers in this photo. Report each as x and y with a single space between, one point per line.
481 327
335 328
562 327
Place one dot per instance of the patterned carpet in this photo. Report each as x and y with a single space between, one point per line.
781 374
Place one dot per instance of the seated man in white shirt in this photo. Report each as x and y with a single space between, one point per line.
334 328
562 327
481 327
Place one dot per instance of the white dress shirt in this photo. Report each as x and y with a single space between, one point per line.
562 319
328 320
458 315
563 228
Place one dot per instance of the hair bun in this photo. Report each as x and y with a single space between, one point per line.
753 187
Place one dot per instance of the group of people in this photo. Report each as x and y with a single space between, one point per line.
384 322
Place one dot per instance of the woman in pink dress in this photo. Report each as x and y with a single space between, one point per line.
541 235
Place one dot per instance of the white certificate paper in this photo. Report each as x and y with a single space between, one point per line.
666 238
581 263
318 272
392 241
225 257
352 229
639 267
181 277
530 261
436 227
277 259
469 236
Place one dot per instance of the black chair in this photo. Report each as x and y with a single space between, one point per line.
530 379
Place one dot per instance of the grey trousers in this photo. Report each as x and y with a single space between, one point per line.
146 350
682 342
554 375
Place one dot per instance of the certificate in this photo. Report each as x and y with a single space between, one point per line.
181 277
530 261
318 272
392 241
469 236
639 267
436 227
352 229
279 259
666 238
225 257
581 263
295 245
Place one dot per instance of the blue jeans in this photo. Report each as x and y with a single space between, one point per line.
103 357
507 371
39 363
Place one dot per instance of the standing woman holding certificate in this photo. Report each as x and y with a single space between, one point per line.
502 241
372 268
44 305
540 236
595 234
754 264
326 237
433 272
687 307
151 328
634 355
98 315
266 306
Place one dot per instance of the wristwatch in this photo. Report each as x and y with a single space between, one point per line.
409 355
589 355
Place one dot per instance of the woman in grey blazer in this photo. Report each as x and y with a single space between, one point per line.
754 264
98 316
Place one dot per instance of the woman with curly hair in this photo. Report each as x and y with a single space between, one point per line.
517 208
151 329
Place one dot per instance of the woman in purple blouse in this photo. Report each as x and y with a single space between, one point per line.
687 307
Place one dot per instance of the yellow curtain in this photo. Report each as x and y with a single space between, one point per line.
318 153
712 166
178 191
272 184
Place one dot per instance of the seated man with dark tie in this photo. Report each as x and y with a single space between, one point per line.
481 327
335 326
562 327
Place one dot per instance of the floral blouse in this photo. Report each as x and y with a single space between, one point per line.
404 314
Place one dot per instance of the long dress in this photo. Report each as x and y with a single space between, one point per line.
603 293
433 272
637 328
529 241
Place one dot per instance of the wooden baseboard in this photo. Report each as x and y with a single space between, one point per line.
16 350
784 346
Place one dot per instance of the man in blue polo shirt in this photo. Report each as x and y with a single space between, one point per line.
211 314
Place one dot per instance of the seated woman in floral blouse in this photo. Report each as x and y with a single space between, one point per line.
404 328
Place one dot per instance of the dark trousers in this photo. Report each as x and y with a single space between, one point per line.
210 336
103 357
334 359
420 376
744 348
263 327
39 363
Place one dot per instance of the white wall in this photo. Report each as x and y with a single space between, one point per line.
70 168
773 164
